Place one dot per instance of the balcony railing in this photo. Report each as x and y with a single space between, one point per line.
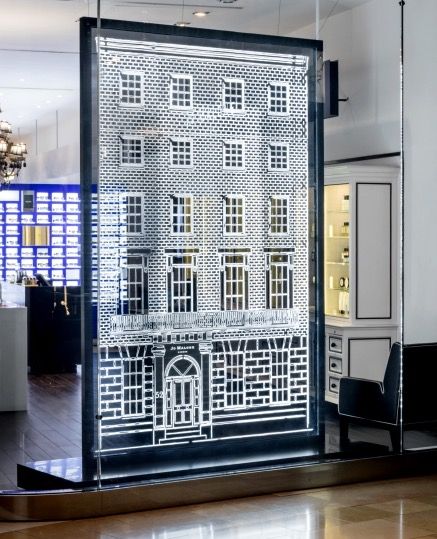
157 322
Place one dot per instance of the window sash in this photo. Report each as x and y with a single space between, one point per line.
279 98
279 218
182 214
181 92
182 286
133 387
234 215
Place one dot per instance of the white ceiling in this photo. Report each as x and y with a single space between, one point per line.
39 50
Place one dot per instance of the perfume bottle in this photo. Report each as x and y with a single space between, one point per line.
345 229
345 255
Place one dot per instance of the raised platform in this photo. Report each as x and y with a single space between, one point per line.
77 473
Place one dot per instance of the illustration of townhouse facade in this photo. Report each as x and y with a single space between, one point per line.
203 244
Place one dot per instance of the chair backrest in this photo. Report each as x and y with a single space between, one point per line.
392 377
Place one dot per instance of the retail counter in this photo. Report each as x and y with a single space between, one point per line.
53 325
13 357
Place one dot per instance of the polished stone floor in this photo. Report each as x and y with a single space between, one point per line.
397 509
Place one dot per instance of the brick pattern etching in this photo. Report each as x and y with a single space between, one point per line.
214 125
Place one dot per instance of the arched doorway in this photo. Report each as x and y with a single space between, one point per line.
182 393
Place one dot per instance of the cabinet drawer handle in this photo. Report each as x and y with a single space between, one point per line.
333 365
333 345
334 386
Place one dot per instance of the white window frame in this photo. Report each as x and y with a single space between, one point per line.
234 197
285 145
139 404
288 265
287 89
284 377
243 105
237 362
142 268
127 138
172 214
180 139
285 198
136 73
123 201
175 77
244 265
243 154
170 284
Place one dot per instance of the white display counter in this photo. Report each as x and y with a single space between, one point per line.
13 357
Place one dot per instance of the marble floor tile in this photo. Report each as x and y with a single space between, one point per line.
398 509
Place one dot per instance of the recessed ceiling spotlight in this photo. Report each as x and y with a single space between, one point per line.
59 96
21 80
48 101
182 23
201 13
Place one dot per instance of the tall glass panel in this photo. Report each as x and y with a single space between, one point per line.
209 145
419 309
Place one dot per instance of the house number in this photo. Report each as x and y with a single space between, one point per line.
159 395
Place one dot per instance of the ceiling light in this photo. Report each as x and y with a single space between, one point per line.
182 23
227 1
59 96
201 13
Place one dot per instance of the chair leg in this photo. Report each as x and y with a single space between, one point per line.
344 430
395 437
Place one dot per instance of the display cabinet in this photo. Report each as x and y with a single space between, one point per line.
361 271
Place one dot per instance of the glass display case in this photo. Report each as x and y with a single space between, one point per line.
337 250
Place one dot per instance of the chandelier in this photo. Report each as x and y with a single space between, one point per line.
12 155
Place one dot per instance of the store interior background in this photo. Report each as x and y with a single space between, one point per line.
39 96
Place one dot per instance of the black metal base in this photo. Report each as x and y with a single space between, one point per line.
75 473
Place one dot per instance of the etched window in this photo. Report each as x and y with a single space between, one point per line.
182 284
233 95
181 152
181 92
131 151
132 213
131 88
278 215
233 154
280 392
235 282
233 215
182 214
278 98
134 285
278 156
279 281
133 387
235 384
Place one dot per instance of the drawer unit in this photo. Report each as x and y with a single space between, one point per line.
335 364
334 384
335 344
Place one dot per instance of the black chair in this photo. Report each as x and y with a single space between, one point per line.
373 402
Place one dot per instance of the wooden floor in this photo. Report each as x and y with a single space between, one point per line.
400 509
51 428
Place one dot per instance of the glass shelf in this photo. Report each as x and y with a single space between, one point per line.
337 243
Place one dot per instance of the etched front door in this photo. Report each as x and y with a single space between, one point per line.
182 394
